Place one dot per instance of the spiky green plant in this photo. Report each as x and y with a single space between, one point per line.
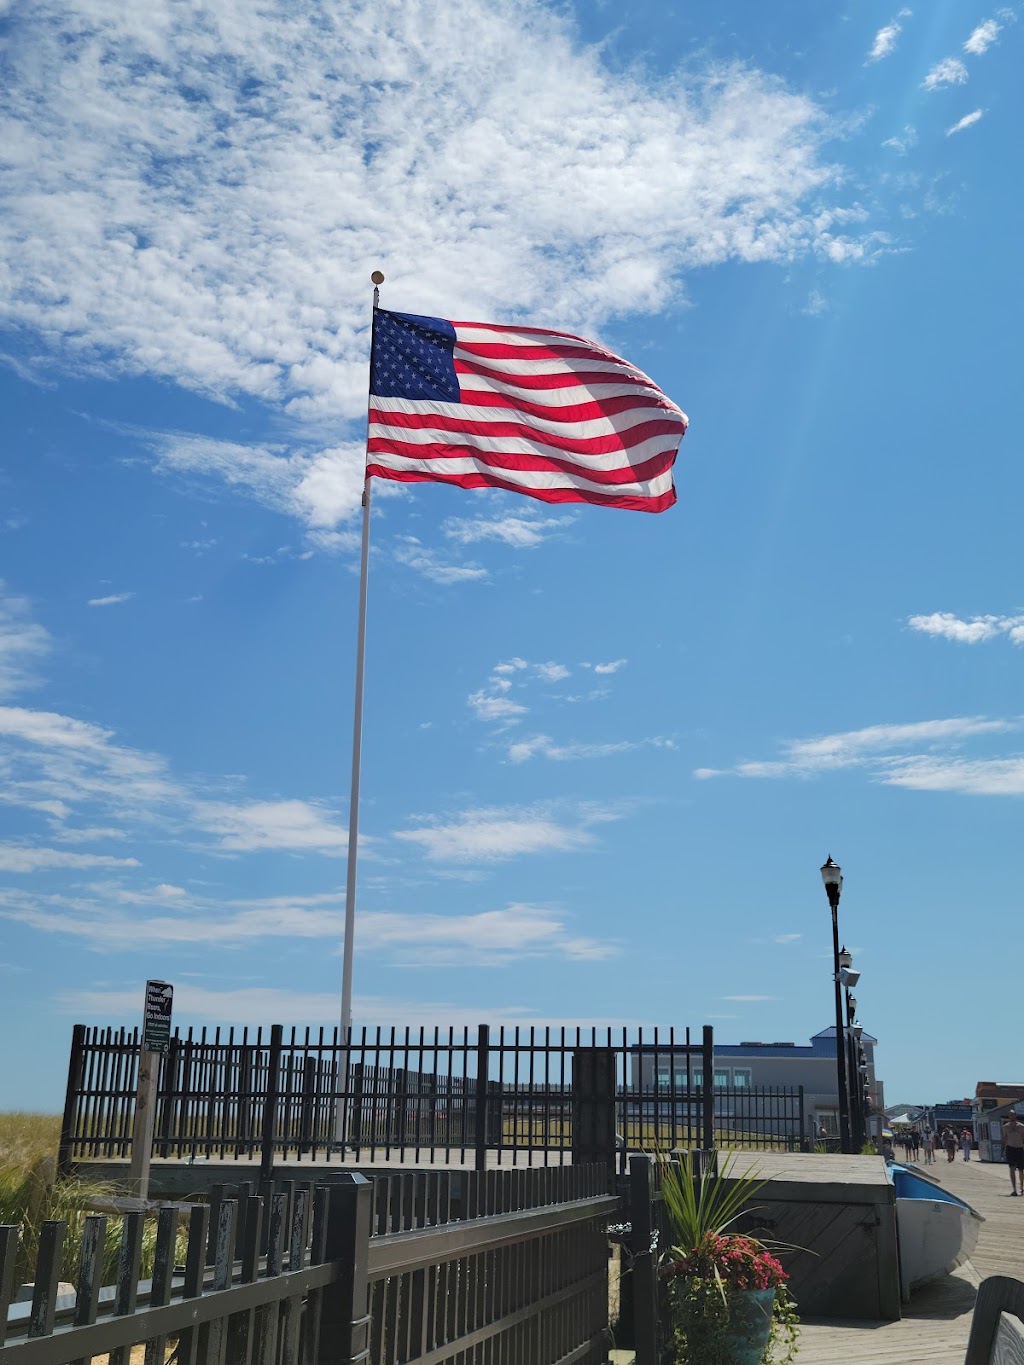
697 1206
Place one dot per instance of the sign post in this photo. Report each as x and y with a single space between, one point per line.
156 1037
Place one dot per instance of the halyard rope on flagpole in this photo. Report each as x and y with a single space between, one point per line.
341 1115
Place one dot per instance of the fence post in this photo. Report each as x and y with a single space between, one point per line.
67 1126
593 1106
483 1065
344 1315
801 1130
708 1088
644 1268
270 1103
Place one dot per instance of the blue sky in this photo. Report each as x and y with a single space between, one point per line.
605 753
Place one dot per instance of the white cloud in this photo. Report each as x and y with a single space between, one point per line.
612 667
903 144
526 749
885 38
113 600
320 487
786 938
22 643
256 1004
892 755
521 532
972 631
414 555
552 672
965 122
22 858
491 707
514 665
973 777
272 825
491 834
200 195
982 38
950 71
816 304
114 915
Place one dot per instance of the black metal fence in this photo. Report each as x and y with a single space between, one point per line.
472 1097
438 1267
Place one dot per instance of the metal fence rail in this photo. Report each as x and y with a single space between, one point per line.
439 1267
470 1096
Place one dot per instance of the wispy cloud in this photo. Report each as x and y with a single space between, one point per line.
965 122
747 999
950 71
552 672
902 144
523 532
256 1004
921 754
411 552
230 278
970 631
113 600
110 915
786 938
612 667
22 858
885 38
982 38
490 834
972 777
23 642
493 705
545 747
272 825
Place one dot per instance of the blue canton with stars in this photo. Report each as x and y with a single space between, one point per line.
413 357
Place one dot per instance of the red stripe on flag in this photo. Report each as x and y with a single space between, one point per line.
527 464
630 502
586 445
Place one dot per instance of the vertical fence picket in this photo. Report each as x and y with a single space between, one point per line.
128 1264
9 1246
195 1267
163 1274
47 1277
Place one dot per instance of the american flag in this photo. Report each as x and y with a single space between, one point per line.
543 413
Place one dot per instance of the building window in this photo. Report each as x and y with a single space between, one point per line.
721 1079
741 1078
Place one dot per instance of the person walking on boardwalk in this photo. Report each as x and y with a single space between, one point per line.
949 1142
928 1142
966 1143
1013 1147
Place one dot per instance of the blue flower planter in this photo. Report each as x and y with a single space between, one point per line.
750 1322
745 1338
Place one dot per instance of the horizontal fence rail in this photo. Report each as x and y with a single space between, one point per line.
468 1097
431 1267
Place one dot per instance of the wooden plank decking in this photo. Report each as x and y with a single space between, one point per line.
937 1319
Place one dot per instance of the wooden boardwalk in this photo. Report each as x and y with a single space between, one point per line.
937 1320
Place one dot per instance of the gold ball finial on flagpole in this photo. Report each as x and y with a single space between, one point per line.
377 277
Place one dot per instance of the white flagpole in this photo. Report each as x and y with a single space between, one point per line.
341 1124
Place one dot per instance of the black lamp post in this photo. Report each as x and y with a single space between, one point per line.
832 876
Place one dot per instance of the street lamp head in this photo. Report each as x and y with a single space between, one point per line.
853 1005
845 957
858 1030
832 876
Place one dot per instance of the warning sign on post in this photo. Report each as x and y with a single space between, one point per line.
156 1017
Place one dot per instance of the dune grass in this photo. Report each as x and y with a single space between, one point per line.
31 1193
